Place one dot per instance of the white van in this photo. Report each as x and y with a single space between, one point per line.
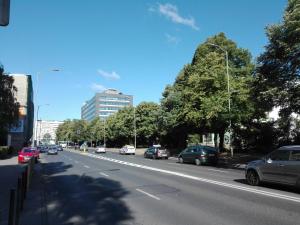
127 149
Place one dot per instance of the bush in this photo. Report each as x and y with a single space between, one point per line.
4 151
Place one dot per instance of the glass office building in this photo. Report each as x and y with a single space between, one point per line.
105 104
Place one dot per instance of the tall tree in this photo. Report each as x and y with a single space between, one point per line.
278 71
199 96
9 107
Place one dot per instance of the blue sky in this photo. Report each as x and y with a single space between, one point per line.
135 46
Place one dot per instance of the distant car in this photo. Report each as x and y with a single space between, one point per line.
26 154
100 149
199 154
280 166
156 152
127 149
41 148
52 151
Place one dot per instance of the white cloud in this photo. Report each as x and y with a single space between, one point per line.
109 76
171 12
98 87
172 39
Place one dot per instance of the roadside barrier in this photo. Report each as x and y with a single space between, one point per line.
18 195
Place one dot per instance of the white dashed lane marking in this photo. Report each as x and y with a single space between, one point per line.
148 194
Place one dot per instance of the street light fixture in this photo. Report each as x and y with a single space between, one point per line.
228 90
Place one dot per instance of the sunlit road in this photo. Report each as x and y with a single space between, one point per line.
114 189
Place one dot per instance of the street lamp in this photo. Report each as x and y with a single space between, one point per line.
37 112
36 124
134 124
229 93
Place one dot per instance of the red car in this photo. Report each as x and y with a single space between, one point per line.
26 153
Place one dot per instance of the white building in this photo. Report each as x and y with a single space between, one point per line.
46 131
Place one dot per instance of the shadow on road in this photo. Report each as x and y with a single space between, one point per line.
75 198
273 186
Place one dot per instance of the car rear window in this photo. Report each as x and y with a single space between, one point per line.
27 150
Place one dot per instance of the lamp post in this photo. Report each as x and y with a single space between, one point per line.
229 93
36 124
37 112
134 124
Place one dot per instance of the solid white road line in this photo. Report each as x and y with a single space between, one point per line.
104 174
223 184
146 193
221 171
86 166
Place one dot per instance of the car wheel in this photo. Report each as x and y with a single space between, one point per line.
166 158
197 162
252 178
180 159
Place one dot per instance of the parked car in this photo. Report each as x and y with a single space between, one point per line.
100 149
156 152
199 154
52 151
26 154
59 148
127 149
280 166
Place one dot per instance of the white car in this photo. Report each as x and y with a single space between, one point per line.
127 149
100 149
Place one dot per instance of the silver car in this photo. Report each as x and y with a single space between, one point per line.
280 166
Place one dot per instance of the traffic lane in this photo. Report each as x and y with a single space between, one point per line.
240 185
206 200
235 177
77 195
207 171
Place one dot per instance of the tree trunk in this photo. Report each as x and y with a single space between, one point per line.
216 139
221 143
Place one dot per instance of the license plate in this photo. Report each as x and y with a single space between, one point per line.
211 155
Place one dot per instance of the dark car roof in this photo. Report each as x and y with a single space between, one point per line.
290 147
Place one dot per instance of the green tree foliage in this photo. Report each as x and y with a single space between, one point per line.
147 123
72 130
9 107
278 71
95 131
120 127
198 100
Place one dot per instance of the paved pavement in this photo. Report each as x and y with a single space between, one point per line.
76 188
9 172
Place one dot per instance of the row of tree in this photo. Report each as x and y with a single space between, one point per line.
198 101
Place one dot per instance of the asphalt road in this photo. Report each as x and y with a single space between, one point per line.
115 189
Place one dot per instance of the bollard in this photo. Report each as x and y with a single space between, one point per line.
25 179
19 200
12 201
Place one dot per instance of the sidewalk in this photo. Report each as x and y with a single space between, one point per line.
35 212
9 173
